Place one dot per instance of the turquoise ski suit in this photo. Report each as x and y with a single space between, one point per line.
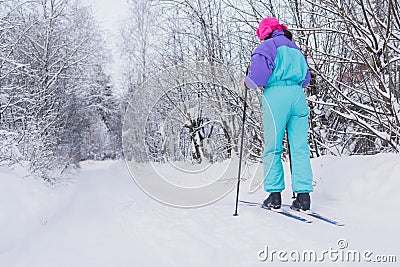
278 65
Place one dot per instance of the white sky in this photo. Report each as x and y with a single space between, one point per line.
110 13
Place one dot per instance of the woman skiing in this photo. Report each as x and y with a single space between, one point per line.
279 66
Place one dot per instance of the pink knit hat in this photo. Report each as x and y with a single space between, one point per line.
267 26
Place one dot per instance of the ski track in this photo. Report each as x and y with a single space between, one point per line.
104 219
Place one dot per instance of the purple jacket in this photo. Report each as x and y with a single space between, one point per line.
277 61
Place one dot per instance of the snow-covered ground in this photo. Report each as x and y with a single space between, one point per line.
103 219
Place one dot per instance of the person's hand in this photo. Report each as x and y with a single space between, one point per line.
244 84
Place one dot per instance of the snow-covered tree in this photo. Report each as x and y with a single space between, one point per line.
51 70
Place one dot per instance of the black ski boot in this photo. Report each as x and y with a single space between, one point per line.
273 201
302 202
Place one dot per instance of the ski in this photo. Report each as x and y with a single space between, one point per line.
280 211
316 215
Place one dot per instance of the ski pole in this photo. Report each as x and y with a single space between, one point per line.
241 149
290 160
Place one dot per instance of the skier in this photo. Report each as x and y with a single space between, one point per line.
279 66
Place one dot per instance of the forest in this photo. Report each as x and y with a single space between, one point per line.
183 65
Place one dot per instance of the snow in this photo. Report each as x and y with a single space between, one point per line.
103 219
4 99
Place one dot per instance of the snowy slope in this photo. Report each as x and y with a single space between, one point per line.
103 219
